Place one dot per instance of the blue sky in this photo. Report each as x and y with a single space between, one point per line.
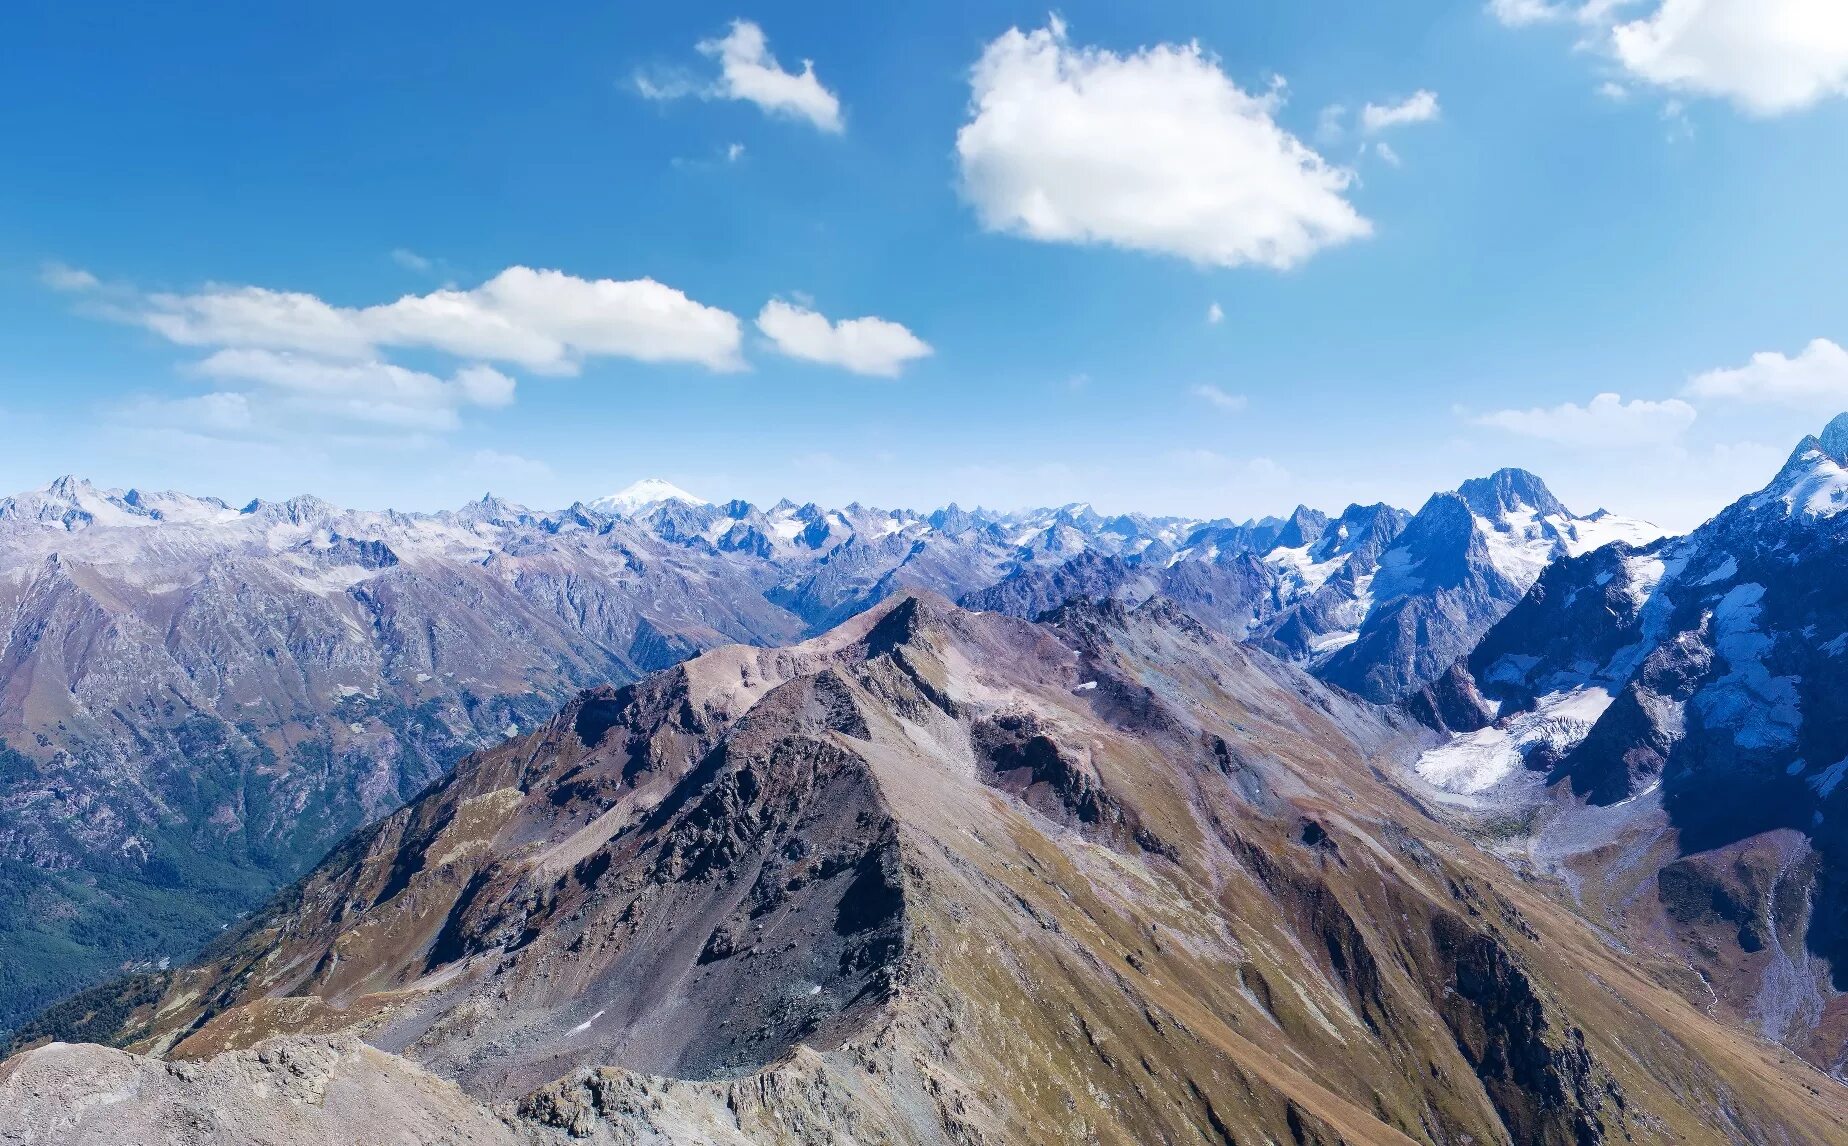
1636 199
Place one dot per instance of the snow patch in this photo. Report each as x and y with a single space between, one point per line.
1761 709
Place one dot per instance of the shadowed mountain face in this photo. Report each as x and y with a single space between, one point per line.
1459 566
1685 701
941 876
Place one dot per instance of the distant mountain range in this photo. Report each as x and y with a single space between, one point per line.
197 699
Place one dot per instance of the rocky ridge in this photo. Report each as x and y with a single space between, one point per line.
945 876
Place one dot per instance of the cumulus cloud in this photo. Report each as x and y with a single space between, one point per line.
1607 420
1768 57
1219 399
748 72
544 320
1816 379
292 355
1158 151
1215 315
1419 107
862 345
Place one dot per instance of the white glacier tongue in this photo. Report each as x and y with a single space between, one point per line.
644 494
1478 761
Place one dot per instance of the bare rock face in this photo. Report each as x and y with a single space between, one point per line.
306 1092
940 876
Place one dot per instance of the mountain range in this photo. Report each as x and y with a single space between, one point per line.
197 699
1485 823
935 876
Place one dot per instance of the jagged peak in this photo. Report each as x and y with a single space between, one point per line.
1508 491
70 487
1834 438
1813 482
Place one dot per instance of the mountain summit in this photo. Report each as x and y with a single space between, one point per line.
642 496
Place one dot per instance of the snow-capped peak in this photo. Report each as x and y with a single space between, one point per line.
644 494
1812 485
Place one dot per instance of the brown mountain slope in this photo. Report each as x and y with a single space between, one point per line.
942 876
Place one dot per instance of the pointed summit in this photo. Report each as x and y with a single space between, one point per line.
1510 491
1814 483
1834 439
643 495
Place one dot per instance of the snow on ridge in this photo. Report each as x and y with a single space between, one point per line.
1813 487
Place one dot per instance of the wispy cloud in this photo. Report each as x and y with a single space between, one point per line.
1220 399
1419 107
1607 421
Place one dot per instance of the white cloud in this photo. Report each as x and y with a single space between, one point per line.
1385 151
1606 421
1154 151
1219 399
412 261
862 345
665 86
1817 378
747 71
1215 315
1768 57
59 277
370 391
544 320
1420 107
734 152
254 316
